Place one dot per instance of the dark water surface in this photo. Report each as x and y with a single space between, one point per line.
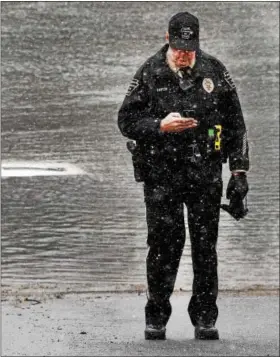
65 69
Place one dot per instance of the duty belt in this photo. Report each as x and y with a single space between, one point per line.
193 153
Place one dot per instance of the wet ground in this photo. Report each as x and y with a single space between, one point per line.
113 325
65 69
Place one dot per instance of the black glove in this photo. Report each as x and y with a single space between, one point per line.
236 191
237 186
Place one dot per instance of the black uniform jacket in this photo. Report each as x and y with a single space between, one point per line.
194 155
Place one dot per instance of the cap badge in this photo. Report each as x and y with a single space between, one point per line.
186 32
208 85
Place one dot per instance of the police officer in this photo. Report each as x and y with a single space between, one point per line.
183 116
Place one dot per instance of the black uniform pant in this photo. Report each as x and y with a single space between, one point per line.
166 239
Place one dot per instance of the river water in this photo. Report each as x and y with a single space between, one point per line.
65 69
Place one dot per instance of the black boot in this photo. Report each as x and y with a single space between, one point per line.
206 332
155 332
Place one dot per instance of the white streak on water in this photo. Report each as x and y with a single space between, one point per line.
38 168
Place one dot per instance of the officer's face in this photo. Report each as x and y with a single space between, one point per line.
182 58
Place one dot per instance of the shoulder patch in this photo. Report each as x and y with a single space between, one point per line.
229 79
133 85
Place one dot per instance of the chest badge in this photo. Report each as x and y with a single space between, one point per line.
208 85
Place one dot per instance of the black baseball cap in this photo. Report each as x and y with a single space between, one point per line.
184 32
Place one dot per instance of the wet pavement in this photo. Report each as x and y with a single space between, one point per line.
65 69
113 325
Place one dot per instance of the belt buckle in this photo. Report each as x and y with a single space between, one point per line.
195 154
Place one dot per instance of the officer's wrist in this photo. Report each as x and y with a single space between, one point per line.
238 173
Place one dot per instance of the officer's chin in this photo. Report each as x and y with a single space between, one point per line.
182 64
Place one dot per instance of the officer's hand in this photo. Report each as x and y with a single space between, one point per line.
238 186
174 123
